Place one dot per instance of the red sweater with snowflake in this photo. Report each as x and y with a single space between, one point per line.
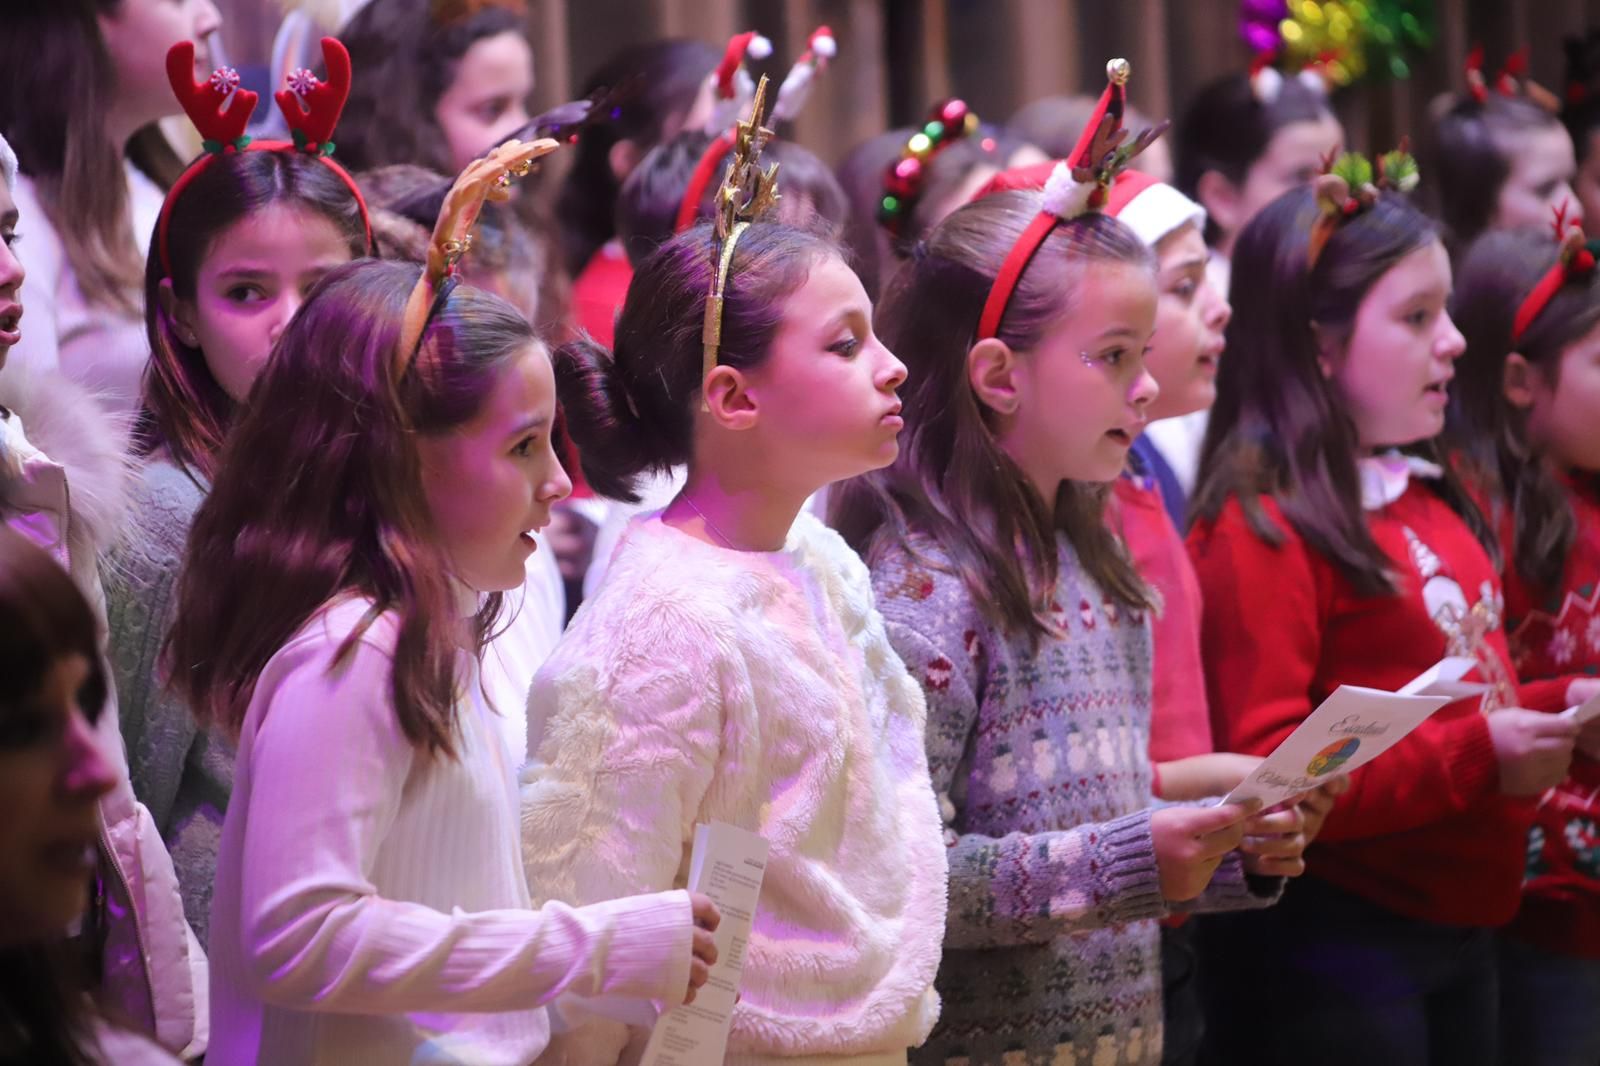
1555 635
1423 831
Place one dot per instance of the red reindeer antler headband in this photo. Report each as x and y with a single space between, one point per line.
1575 261
310 106
1077 185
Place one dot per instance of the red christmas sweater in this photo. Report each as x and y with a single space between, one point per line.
1555 636
1180 725
1423 831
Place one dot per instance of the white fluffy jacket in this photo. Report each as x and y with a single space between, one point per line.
757 689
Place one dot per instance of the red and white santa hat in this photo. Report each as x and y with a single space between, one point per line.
731 85
1151 208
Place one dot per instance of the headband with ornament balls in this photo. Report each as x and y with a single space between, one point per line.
1575 262
1349 185
1077 185
484 179
1267 78
745 196
904 180
221 110
821 46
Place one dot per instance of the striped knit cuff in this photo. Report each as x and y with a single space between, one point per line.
1127 870
1232 889
649 945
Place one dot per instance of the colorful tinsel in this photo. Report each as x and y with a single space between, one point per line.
1346 39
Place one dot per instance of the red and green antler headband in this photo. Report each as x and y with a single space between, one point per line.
1077 185
1574 262
1350 185
310 106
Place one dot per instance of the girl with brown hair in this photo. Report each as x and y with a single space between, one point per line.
81 86
342 579
1011 599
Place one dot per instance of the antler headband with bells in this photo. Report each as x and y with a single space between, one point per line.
221 111
488 178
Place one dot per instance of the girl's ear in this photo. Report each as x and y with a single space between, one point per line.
1220 198
730 400
623 157
1327 351
179 312
992 371
1517 381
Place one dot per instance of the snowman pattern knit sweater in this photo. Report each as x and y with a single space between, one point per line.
1040 758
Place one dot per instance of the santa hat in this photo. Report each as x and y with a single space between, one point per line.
1151 208
731 86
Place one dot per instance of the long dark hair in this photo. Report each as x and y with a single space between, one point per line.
1278 429
57 80
405 61
952 481
1486 431
1227 128
631 411
185 409
647 209
44 618
319 493
669 74
1466 159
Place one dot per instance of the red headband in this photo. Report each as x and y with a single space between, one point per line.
310 107
1077 185
1575 261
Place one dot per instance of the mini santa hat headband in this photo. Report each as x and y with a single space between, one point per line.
1350 185
310 107
1575 261
1266 79
821 46
1512 80
1079 184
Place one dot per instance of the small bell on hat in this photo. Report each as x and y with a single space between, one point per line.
732 89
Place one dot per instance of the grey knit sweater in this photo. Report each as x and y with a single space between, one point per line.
1041 762
181 773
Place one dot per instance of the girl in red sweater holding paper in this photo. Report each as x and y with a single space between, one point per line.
1522 417
1328 556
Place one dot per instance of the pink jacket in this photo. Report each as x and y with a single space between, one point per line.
62 484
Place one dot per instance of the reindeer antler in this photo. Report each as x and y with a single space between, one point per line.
312 107
202 101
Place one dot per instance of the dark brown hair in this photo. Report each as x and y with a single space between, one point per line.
56 82
44 618
1466 158
647 210
319 493
952 481
667 76
185 409
631 411
1482 427
1278 428
1227 128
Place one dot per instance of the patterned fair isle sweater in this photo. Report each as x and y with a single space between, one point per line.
1040 759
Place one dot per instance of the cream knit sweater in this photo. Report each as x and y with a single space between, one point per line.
758 689
370 905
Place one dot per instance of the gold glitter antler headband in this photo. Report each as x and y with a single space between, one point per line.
745 196
488 178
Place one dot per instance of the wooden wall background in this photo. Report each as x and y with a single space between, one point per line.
896 56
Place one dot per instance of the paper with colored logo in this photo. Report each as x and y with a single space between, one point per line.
1352 727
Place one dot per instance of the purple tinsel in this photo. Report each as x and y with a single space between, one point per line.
1258 23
